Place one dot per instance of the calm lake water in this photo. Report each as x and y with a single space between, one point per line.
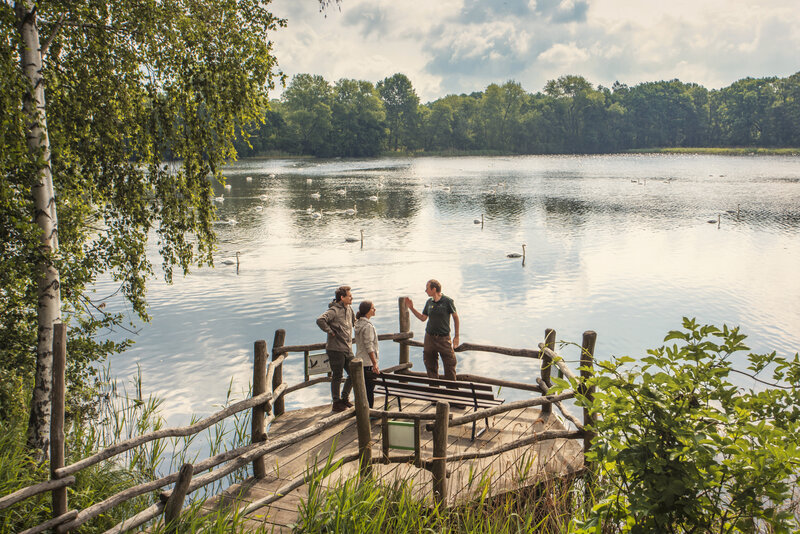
618 244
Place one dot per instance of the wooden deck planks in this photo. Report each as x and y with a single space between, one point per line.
508 471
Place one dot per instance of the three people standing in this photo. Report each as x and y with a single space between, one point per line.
437 312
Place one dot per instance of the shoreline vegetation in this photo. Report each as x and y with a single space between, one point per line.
709 151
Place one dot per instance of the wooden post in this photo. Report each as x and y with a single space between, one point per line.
385 437
278 406
439 466
547 365
362 416
417 440
405 326
172 510
57 415
259 387
587 370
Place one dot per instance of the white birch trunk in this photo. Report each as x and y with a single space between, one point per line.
49 305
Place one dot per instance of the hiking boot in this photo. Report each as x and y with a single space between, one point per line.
347 403
338 406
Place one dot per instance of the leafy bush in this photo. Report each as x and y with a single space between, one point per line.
680 448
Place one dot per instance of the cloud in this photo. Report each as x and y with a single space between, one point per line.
456 46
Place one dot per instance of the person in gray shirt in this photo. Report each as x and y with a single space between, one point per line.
338 322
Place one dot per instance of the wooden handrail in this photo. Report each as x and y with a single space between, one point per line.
541 436
56 521
29 491
488 412
166 433
399 336
485 380
559 361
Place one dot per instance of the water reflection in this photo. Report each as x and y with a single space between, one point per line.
616 244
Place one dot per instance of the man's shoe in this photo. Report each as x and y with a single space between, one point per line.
347 403
338 406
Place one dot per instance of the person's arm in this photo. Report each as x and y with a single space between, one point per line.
322 322
455 330
374 363
417 314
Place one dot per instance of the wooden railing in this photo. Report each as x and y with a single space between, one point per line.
267 403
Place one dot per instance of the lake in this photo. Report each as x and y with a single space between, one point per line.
619 244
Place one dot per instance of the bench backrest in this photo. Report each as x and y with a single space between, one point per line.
435 389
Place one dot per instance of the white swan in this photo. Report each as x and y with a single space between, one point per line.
351 211
227 187
342 191
309 209
249 178
264 197
316 214
259 208
231 262
517 254
374 198
351 239
272 176
220 198
315 196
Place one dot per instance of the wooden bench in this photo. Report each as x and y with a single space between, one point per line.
458 394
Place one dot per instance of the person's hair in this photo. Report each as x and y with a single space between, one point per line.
435 285
341 291
364 308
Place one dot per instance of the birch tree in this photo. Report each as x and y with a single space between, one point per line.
96 96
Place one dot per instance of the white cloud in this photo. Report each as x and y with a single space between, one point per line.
459 46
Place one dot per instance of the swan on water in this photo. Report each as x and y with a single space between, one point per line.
316 214
342 191
351 239
272 176
259 208
264 197
309 209
231 262
227 187
351 211
249 178
374 198
517 254
309 180
220 198
315 196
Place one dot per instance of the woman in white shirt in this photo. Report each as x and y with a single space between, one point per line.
367 346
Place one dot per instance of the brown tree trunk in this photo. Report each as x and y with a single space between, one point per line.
49 294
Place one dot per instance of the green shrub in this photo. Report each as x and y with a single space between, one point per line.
680 448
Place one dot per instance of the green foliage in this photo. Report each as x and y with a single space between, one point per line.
680 448
569 116
128 84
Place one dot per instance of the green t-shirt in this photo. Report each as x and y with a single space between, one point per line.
439 315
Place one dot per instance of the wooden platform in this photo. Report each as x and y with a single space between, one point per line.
507 471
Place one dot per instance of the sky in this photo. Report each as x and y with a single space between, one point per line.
461 46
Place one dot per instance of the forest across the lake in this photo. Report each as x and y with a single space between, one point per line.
356 118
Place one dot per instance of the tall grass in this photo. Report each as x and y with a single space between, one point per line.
367 505
119 414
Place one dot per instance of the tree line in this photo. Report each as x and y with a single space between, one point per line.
354 118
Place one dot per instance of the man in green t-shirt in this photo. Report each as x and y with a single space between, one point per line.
437 312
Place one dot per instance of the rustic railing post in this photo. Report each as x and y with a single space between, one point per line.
362 417
439 466
277 378
547 364
172 510
57 415
259 387
587 370
405 326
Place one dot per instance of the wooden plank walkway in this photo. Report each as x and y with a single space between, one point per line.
508 471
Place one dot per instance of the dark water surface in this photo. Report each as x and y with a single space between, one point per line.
617 244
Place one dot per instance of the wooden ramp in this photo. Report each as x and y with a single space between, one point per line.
507 471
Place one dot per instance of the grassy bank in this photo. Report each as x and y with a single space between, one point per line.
721 151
